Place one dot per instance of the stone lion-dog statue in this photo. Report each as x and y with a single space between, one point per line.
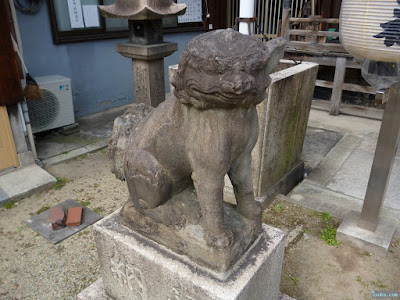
206 130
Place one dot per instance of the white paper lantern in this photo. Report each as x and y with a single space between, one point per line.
371 29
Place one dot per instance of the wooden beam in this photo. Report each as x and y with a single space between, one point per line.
263 36
315 19
347 87
321 47
322 60
305 32
350 109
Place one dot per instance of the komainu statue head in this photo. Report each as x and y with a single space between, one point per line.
225 69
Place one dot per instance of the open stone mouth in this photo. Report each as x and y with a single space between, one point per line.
232 97
223 96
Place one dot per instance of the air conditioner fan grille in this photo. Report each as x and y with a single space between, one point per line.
44 112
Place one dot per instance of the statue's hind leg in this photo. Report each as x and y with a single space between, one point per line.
148 183
149 187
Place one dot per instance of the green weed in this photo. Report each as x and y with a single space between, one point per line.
60 249
278 207
325 216
21 228
61 182
44 208
316 213
84 203
9 205
295 280
82 233
99 210
328 235
378 284
359 279
27 245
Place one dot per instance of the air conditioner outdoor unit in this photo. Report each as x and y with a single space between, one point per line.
56 109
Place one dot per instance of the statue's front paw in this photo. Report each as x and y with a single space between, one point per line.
220 239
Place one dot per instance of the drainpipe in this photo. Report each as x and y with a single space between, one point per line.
246 10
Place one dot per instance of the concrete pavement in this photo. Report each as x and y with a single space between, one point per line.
337 183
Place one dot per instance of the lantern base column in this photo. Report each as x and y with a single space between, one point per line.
371 241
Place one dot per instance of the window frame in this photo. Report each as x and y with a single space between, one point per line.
61 37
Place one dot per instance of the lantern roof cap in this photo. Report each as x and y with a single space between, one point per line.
142 9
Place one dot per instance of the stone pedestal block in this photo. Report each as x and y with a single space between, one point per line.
148 69
146 52
148 78
134 267
185 234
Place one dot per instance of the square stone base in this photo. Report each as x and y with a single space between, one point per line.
134 267
372 241
96 292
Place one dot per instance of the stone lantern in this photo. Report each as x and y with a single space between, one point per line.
146 47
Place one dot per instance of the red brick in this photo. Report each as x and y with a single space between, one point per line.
74 216
57 217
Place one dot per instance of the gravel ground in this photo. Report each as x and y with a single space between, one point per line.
32 268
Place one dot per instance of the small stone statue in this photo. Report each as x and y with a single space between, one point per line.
193 139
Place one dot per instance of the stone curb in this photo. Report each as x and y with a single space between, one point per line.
24 182
76 152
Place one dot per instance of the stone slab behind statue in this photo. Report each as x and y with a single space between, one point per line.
283 119
134 267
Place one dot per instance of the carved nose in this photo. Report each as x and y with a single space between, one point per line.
242 84
237 84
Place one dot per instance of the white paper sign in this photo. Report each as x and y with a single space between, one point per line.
75 13
194 11
91 15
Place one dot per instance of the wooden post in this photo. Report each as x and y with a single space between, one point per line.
313 8
337 90
286 14
285 23
383 161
